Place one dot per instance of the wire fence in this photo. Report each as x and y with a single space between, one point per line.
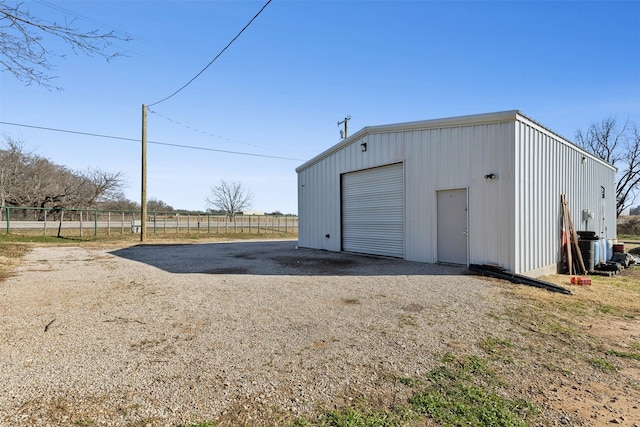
85 222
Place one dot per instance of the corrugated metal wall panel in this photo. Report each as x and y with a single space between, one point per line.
373 211
319 200
548 167
438 159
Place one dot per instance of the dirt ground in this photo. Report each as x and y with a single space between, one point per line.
583 350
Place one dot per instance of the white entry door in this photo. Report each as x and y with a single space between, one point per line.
452 226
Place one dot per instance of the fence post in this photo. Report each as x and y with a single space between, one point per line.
109 223
122 224
80 223
208 223
155 218
44 233
95 222
8 218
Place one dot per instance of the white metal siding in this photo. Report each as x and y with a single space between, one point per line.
547 167
373 211
319 187
443 158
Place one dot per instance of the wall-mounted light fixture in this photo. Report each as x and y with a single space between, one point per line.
363 147
490 176
584 159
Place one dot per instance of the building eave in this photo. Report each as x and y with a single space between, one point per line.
475 119
504 116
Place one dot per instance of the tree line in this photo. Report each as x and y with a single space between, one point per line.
27 179
30 180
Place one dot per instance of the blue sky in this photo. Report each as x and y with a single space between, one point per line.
302 66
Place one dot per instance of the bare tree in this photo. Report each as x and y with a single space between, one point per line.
230 197
14 166
155 205
121 203
99 186
30 180
619 146
23 51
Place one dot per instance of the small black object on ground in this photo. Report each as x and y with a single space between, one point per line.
500 273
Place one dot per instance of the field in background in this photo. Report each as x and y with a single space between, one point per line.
92 222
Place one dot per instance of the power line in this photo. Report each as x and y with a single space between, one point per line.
224 138
214 59
191 147
69 131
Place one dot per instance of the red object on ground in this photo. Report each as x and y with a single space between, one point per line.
581 281
618 247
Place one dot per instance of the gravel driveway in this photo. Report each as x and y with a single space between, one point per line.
253 332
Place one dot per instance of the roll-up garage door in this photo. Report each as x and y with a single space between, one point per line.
373 211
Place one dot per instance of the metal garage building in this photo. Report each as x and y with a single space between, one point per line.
475 189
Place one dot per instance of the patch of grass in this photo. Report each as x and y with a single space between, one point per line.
624 354
351 417
497 348
470 405
464 395
73 237
409 382
26 238
622 236
448 358
12 250
605 308
462 391
10 254
627 283
572 306
556 326
616 310
555 368
492 344
603 365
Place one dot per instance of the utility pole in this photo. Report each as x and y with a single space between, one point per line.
143 201
345 134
